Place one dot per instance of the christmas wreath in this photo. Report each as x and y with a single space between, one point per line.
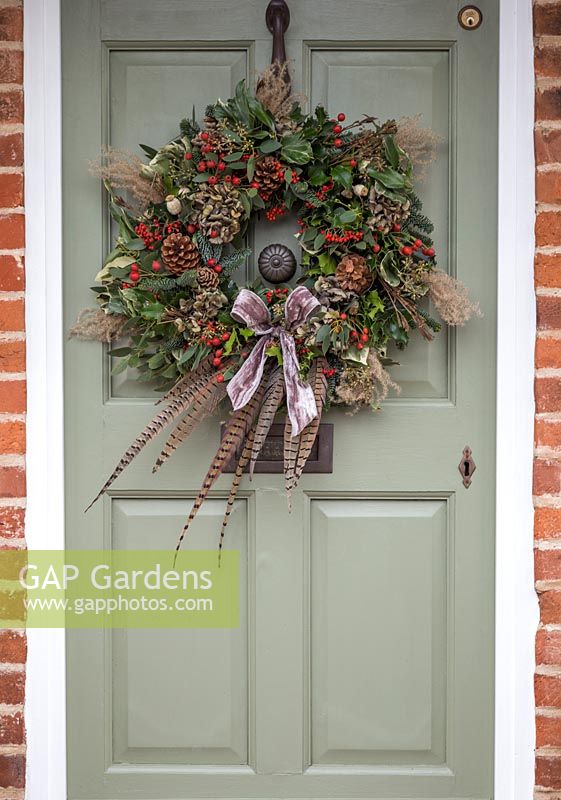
169 287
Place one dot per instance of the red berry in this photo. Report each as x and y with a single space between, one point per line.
354 335
338 142
191 229
220 378
215 342
417 243
337 129
225 337
236 181
407 251
376 248
396 227
343 316
430 252
227 179
204 136
211 262
156 266
254 184
206 148
364 337
211 164
341 117
216 362
212 180
213 234
218 268
359 346
365 330
202 166
221 166
218 353
188 156
352 162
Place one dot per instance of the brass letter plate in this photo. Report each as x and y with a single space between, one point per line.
270 458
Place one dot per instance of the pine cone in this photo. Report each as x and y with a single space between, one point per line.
217 210
179 253
207 278
269 175
353 274
385 213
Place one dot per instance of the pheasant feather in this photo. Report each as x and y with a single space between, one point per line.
318 382
236 430
242 463
290 454
274 395
202 406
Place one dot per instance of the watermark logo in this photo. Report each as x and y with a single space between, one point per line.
119 589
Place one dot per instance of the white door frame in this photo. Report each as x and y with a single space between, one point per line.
516 605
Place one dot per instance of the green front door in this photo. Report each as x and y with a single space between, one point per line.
363 664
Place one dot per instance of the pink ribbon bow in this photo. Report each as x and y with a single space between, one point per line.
252 311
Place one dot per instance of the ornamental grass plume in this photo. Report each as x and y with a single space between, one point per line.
274 92
451 298
93 324
367 385
419 143
123 170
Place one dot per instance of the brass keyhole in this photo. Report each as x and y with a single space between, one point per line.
466 469
470 18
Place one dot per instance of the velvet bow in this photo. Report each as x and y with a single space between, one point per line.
252 311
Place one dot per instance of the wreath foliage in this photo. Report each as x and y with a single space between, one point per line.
170 284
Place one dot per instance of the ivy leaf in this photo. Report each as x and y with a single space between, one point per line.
152 311
269 146
296 149
342 175
327 264
388 270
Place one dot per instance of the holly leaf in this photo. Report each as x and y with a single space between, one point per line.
342 175
317 177
295 149
327 264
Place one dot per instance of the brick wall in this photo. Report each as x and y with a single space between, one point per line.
12 384
547 467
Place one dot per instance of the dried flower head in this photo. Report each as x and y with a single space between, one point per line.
365 384
451 298
419 143
124 170
274 92
94 324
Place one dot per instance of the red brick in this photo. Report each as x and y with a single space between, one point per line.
11 522
12 687
548 228
547 690
11 190
547 143
548 394
548 732
12 771
12 482
548 103
11 24
547 477
11 275
548 187
548 647
547 433
13 647
11 66
547 523
548 312
547 60
548 772
12 356
11 150
12 399
12 231
547 19
11 106
548 352
550 605
547 565
12 315
12 437
547 270
12 729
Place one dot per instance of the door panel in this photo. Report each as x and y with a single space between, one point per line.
363 664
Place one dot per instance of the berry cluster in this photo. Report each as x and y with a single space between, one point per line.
332 236
275 294
275 212
156 231
408 250
215 266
